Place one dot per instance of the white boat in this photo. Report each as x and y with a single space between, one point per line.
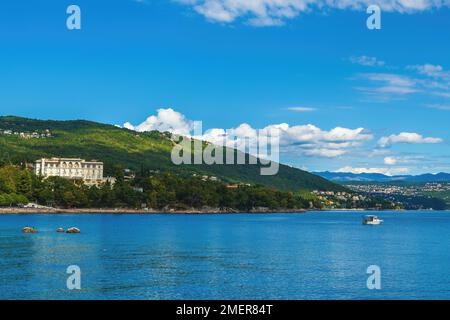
372 220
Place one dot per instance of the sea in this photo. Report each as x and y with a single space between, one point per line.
316 255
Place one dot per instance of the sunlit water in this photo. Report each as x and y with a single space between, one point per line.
245 256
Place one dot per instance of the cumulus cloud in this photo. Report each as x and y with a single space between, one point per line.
406 137
165 120
306 139
276 12
312 141
385 171
367 61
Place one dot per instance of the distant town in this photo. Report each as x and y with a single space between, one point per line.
27 135
351 200
405 190
414 196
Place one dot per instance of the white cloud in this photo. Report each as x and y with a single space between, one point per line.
304 139
434 77
430 70
275 12
144 2
325 153
428 79
406 137
165 120
442 94
367 61
307 139
302 109
385 171
389 84
390 161
444 107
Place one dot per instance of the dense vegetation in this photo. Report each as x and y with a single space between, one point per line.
420 202
121 147
444 196
157 191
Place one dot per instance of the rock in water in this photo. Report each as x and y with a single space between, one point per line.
60 230
73 230
29 230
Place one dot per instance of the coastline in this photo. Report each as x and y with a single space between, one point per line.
142 211
171 211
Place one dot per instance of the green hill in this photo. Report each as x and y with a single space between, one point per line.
128 149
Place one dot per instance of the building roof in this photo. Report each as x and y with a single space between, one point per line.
68 159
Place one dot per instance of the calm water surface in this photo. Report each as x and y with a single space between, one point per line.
246 256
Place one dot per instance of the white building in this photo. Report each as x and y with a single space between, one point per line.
90 172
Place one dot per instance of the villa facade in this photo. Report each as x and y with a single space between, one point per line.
90 172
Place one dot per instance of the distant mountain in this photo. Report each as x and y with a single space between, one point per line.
377 177
428 177
118 147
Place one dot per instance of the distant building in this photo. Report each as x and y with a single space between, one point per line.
128 175
90 172
28 135
232 186
110 180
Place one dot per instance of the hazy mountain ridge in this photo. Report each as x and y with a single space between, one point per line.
378 177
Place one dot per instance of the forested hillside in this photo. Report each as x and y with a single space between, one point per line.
118 147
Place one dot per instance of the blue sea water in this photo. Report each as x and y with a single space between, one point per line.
321 255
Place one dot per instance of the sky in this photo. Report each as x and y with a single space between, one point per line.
344 98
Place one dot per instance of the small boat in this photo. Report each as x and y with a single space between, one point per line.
371 220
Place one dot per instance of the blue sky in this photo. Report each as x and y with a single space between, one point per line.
227 64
